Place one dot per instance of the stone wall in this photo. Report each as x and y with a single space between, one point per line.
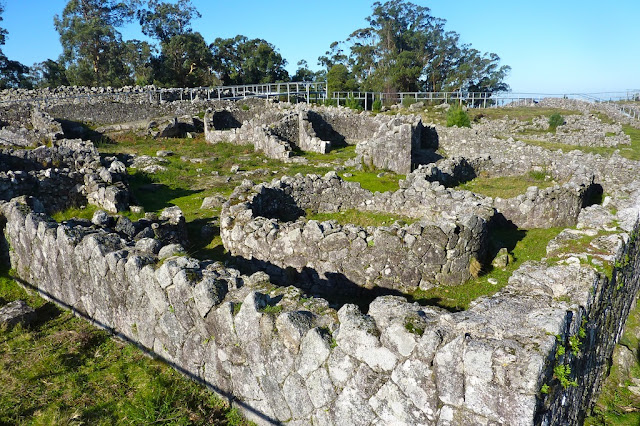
69 173
383 142
396 145
23 125
306 363
265 222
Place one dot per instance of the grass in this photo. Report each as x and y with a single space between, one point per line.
507 186
185 184
370 180
62 370
524 245
360 218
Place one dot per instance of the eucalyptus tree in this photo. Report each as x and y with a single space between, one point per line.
92 47
163 20
405 48
241 60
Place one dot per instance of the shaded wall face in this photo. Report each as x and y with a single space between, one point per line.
349 127
276 204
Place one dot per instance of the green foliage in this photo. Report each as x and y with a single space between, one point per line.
303 73
241 60
163 21
456 116
544 389
408 101
405 49
617 404
330 102
185 61
236 307
554 121
340 79
575 343
92 48
413 328
562 373
354 104
272 309
376 106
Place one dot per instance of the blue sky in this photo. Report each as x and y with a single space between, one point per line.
560 46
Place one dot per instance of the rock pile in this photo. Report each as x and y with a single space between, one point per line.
66 174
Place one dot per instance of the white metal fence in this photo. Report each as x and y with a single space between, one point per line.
627 102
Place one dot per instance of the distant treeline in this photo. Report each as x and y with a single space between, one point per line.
403 49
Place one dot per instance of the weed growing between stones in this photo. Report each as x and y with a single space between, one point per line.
619 400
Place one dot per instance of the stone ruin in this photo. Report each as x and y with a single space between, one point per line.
285 356
398 144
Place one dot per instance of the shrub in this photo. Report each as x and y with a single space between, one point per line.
376 106
330 102
354 103
407 102
554 121
456 116
245 107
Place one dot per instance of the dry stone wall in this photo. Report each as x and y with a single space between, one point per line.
69 173
289 358
391 143
310 364
265 223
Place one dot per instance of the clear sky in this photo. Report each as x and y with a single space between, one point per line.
553 46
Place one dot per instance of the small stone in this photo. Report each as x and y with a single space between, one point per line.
101 218
164 153
171 250
15 313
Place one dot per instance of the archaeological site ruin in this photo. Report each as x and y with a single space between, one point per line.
307 319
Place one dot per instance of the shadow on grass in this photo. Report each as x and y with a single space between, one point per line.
147 408
200 241
153 195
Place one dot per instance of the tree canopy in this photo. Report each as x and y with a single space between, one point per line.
403 48
406 49
241 60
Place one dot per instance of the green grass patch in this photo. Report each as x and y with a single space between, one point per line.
340 153
524 245
360 218
370 180
507 186
62 370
